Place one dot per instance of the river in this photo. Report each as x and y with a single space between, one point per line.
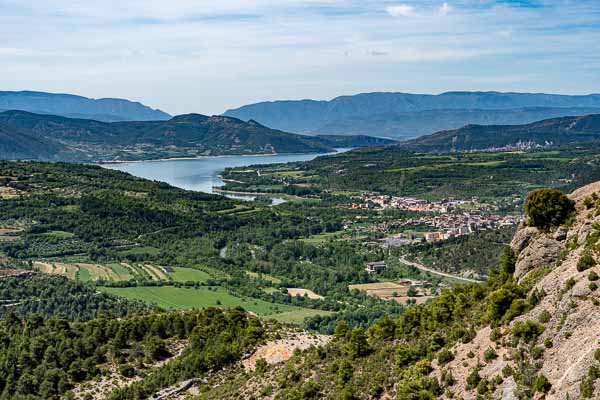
202 174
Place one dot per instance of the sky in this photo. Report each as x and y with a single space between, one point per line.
207 56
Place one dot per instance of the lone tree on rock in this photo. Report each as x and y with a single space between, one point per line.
547 208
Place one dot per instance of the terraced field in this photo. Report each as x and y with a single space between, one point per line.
117 272
68 270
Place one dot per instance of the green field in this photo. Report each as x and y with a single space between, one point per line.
83 275
188 274
322 237
59 234
123 272
185 298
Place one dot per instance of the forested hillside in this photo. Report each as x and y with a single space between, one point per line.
54 358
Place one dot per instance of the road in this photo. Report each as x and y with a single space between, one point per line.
433 271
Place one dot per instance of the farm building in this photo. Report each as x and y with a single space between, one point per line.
377 266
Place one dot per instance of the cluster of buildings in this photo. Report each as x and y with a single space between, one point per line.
451 225
385 202
447 226
518 146
446 219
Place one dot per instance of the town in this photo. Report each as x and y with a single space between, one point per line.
442 220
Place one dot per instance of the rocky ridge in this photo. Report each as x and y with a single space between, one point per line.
565 322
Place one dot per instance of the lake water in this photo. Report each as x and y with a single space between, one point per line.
202 174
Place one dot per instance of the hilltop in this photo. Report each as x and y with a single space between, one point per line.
555 131
406 115
73 106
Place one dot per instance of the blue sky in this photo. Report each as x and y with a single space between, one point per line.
206 56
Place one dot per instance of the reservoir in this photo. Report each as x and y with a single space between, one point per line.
202 174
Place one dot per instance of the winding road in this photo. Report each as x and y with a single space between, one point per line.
433 271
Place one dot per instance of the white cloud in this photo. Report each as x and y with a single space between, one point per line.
401 10
445 9
205 56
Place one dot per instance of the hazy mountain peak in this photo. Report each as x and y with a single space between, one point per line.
74 106
407 115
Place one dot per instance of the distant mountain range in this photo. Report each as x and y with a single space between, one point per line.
25 135
555 131
72 106
404 115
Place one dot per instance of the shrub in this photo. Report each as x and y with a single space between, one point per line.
489 354
528 331
127 370
508 261
473 379
445 356
569 284
537 352
597 355
406 355
448 378
501 300
548 208
586 388
261 366
593 286
541 384
544 317
585 262
593 276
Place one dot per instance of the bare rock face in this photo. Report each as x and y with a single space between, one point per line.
584 232
522 238
542 250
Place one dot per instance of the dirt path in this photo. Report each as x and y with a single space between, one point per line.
433 271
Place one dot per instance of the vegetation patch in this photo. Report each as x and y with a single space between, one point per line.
546 208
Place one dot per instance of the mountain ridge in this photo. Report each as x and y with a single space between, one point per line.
406 115
187 135
554 131
71 105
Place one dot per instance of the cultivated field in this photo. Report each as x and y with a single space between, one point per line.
68 270
117 272
185 298
188 274
301 292
266 277
390 291
9 235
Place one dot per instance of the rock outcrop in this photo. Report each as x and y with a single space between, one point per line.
568 309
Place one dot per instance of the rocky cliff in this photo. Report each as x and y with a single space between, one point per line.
551 347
